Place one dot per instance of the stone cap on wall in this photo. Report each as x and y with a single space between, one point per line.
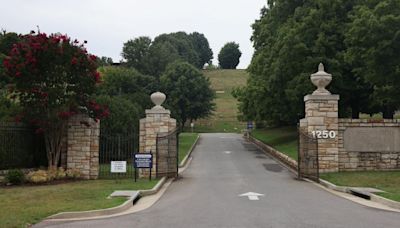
158 111
322 97
372 121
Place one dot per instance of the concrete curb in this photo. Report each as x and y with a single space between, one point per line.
288 161
186 158
372 197
384 201
109 211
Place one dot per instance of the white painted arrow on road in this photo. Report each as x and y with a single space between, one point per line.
252 195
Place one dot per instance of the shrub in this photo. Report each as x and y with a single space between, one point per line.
15 176
61 174
73 173
40 176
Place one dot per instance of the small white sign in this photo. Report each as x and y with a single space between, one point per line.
118 166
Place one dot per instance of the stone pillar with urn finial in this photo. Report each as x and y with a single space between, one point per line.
158 120
321 120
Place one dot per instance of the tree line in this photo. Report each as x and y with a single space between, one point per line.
357 40
170 63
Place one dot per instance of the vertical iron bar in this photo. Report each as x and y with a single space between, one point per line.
177 153
157 156
298 153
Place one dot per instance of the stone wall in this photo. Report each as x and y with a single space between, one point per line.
83 146
369 144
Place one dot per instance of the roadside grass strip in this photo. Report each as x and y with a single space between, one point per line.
186 141
24 205
283 139
388 181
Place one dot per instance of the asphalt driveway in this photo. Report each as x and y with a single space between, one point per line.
225 166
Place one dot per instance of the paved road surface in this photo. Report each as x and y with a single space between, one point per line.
207 196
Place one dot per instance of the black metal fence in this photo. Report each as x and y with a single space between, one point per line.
167 154
308 163
117 147
20 147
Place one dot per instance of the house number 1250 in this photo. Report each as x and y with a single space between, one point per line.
324 134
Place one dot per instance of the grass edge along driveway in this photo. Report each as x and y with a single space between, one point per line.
388 181
186 141
24 205
283 139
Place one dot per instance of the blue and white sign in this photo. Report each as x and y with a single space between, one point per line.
144 161
250 125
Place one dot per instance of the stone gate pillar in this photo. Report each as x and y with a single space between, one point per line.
321 118
158 120
82 150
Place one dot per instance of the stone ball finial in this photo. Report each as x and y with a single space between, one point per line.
321 79
158 99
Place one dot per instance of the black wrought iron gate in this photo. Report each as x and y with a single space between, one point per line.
167 154
308 163
117 147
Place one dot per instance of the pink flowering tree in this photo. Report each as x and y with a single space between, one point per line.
53 79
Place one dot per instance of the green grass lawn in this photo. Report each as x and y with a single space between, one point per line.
186 140
283 139
224 118
388 181
30 204
105 171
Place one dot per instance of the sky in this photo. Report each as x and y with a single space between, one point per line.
107 24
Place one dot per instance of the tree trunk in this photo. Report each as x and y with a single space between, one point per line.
54 143
388 113
355 112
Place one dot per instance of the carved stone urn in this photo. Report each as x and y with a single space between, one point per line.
158 99
321 79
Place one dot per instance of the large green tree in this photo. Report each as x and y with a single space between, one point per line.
8 107
136 51
373 38
127 83
152 57
202 48
124 115
229 56
189 95
290 39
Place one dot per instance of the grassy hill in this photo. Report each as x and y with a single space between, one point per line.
225 115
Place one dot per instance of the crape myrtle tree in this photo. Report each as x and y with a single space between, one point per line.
7 39
53 79
189 94
229 56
